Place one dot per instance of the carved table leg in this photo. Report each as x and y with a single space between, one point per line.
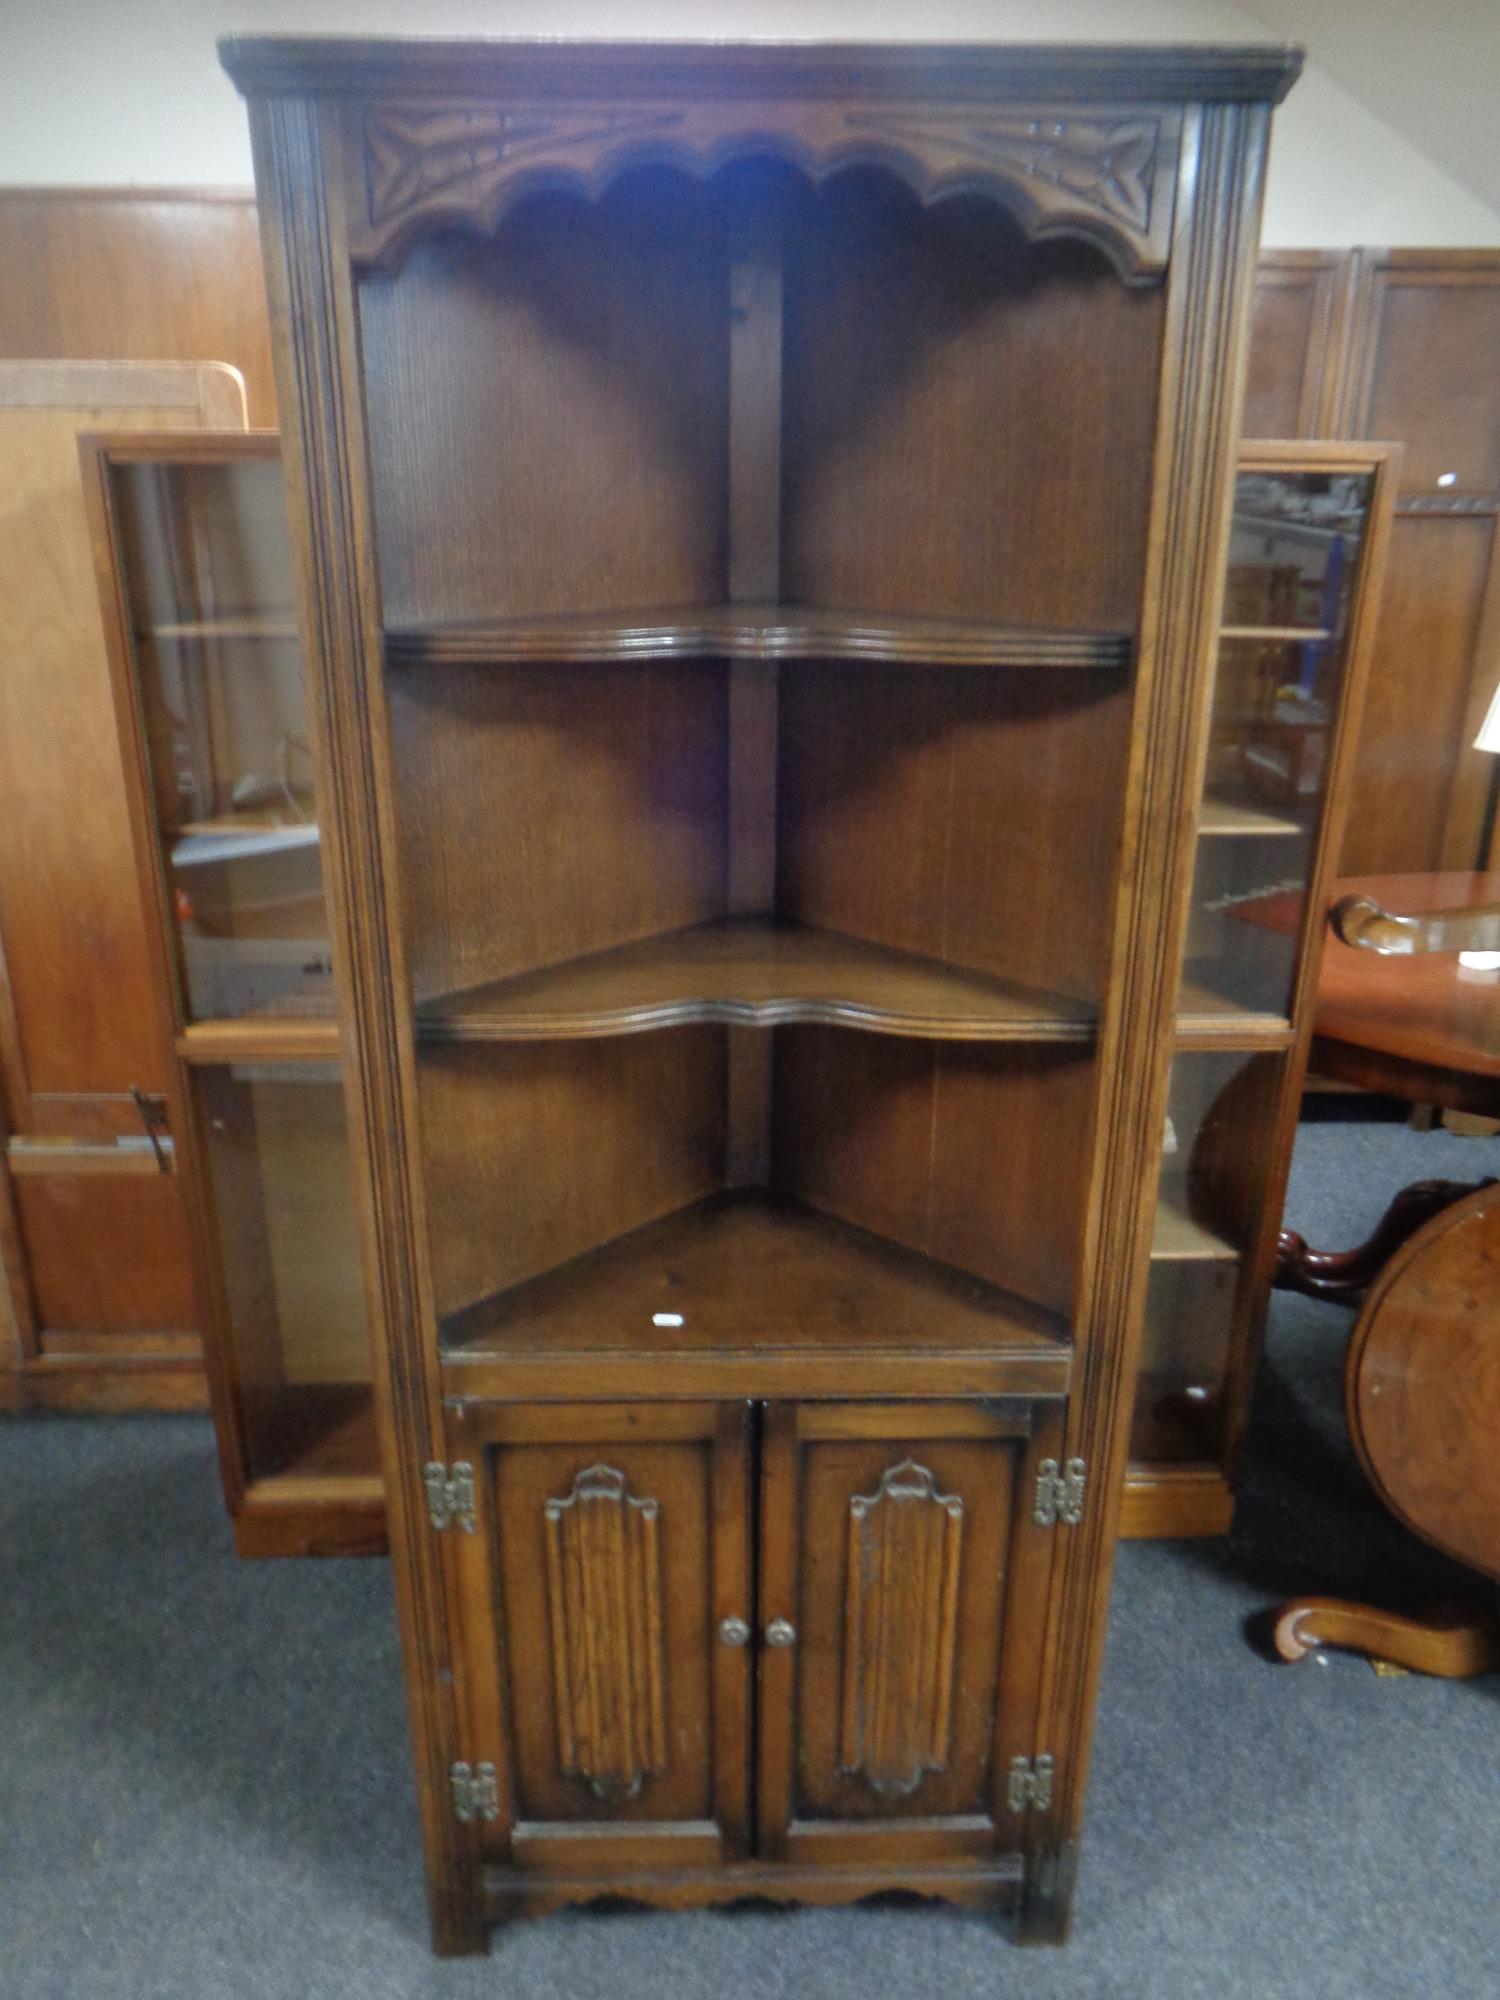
1346 1274
1452 1649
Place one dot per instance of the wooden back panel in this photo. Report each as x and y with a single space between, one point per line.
976 1156
969 419
540 1151
548 410
967 815
547 811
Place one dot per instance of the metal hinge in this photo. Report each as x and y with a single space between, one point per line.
475 1793
450 1495
1059 1493
1030 1783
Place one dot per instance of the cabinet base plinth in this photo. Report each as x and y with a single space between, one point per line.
513 1893
1046 1903
1165 1501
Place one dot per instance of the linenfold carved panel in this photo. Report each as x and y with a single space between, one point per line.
1107 177
605 1613
900 1629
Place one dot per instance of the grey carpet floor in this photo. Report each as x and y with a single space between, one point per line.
204 1784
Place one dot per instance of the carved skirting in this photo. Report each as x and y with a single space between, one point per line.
605 1611
1107 177
900 1630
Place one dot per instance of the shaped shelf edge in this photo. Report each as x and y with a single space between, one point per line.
752 972
755 632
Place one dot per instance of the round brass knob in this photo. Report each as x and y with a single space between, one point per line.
780 1633
733 1632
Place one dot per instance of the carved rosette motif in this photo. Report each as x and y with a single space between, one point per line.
605 1615
1095 176
900 1629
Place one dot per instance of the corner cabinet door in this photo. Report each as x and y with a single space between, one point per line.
904 1586
604 1598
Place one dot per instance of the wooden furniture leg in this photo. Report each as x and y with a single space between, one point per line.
1347 1274
1453 1649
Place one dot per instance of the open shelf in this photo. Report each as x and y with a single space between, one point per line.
756 632
752 972
236 837
1276 634
749 1270
1177 1238
272 1038
1206 1017
220 628
315 1430
1231 819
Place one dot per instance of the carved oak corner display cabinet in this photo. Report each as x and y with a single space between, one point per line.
762 515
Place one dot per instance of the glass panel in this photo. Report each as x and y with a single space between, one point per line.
1293 567
277 1155
1184 1353
209 581
1221 1114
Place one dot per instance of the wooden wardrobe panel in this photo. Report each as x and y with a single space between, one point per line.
537 410
1298 322
968 420
969 815
537 1152
1428 374
1414 748
550 811
1427 324
137 274
106 1253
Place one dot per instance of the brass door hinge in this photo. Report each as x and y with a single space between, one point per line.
1059 1493
475 1793
450 1495
1030 1783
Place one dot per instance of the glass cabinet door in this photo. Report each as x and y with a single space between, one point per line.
1294 560
1305 563
200 611
208 579
1220 1114
276 1158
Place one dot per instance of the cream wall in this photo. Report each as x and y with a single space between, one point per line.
109 91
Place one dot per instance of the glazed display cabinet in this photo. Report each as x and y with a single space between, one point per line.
763 514
194 568
1307 557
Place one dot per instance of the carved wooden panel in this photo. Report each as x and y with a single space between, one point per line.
1107 176
900 1629
605 1612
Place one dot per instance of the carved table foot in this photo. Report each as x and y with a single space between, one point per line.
1346 1274
1454 1649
